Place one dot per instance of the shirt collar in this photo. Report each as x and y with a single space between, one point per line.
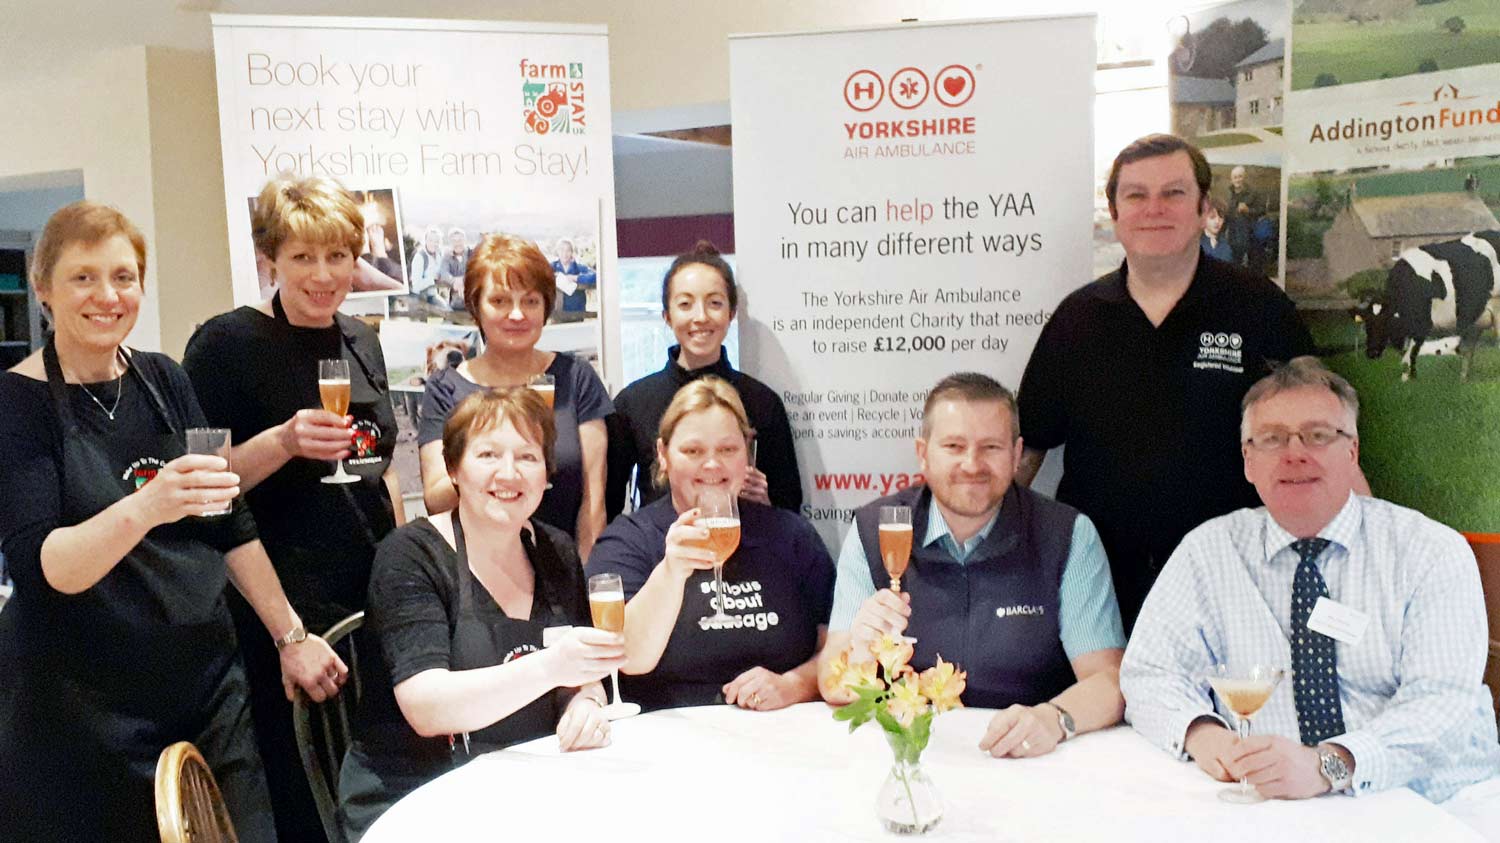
1340 531
937 530
719 368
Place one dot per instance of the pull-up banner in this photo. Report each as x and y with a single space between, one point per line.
909 202
445 131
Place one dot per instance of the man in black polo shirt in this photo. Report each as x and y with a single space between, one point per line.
1140 373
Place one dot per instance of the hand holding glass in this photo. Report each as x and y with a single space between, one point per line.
333 391
213 441
1244 689
719 513
607 606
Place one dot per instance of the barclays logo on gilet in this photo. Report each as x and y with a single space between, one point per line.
1022 610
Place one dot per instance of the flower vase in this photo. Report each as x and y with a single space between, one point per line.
908 802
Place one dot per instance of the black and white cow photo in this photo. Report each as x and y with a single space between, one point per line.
1439 290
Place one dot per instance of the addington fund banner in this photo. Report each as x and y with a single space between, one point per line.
445 131
909 202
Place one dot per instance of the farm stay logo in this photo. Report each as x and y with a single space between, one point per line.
1444 109
906 90
552 98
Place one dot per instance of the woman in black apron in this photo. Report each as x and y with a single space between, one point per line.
778 585
117 641
255 370
456 600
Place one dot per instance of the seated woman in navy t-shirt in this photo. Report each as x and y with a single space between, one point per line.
778 585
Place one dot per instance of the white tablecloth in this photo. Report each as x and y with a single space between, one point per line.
718 774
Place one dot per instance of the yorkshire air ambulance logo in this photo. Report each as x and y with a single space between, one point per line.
1223 351
366 438
141 471
552 98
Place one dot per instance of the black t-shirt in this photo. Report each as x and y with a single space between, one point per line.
252 372
31 440
637 419
779 590
414 600
1150 414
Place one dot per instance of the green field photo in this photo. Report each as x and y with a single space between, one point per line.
1432 443
1339 43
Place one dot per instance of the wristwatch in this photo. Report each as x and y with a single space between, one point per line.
1334 770
297 635
1065 721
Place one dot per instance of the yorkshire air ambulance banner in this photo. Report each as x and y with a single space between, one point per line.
909 202
445 131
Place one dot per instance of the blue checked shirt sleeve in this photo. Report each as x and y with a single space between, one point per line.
1168 654
1088 613
853 585
1442 653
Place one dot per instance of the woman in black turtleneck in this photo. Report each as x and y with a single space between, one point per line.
699 300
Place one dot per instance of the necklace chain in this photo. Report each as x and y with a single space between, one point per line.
119 390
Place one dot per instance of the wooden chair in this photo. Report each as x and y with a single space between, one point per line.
1487 551
189 808
323 731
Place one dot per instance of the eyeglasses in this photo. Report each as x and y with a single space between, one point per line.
1313 438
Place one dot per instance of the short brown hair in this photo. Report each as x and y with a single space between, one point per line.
970 387
1155 146
84 222
312 209
515 264
1306 371
702 394
489 409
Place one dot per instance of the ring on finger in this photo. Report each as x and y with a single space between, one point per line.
1025 746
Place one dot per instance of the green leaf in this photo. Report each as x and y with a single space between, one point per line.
921 732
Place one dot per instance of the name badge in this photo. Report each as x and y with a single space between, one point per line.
1337 621
552 634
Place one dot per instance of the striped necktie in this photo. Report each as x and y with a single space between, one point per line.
1315 679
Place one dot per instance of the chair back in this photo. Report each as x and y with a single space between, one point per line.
323 729
1487 552
189 808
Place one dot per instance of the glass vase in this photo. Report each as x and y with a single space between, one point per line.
908 802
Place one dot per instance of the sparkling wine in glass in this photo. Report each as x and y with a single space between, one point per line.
895 542
607 606
1244 689
719 512
545 386
333 391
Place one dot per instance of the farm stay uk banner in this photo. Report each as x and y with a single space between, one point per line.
909 202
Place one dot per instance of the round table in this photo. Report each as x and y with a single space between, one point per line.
719 773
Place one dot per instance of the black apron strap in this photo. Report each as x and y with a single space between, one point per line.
58 386
346 335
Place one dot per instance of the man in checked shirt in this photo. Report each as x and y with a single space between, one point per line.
1375 608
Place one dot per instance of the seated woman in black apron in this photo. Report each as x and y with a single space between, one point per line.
457 599
778 584
510 289
118 636
255 370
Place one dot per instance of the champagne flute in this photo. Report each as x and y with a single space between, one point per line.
333 391
895 542
719 511
1244 689
607 606
545 386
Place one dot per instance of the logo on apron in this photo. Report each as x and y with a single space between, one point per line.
519 651
141 471
366 438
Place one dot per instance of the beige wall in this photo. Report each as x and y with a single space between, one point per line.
188 186
88 111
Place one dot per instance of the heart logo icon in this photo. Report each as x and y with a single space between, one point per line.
953 85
